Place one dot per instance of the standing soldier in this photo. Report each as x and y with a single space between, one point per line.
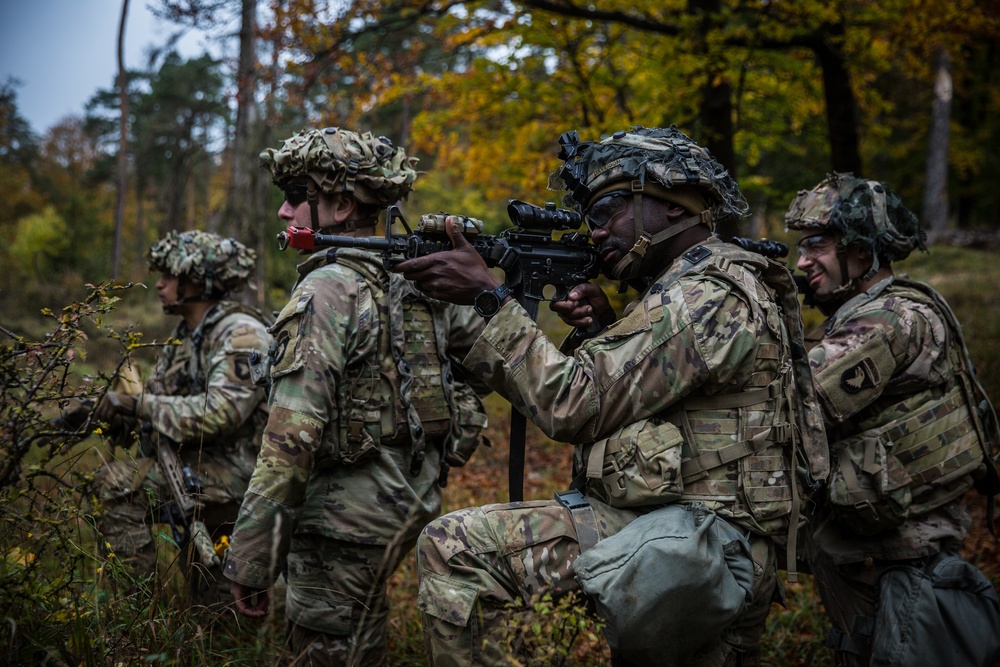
909 430
369 406
684 414
199 418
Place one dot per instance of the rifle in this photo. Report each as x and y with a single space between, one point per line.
530 255
186 487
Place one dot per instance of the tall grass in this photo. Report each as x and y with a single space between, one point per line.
64 603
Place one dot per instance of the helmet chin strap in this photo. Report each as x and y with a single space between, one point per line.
848 286
312 196
175 307
879 213
629 266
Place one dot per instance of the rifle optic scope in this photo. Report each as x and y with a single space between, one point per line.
550 218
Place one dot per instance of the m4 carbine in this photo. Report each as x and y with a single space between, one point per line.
530 255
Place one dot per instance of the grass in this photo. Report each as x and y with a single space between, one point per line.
60 603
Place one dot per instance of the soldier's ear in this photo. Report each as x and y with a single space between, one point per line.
344 208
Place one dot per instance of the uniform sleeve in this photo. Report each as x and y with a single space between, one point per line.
465 327
889 346
230 396
698 334
312 338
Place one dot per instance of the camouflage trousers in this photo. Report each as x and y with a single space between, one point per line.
475 562
134 501
336 606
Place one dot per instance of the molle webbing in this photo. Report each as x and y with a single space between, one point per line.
759 437
421 350
409 363
922 442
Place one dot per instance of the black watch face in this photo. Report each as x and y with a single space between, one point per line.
487 304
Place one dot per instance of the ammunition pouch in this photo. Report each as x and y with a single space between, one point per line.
638 465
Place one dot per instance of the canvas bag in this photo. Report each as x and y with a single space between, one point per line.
668 584
944 614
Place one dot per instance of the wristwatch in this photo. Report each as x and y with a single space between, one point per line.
488 303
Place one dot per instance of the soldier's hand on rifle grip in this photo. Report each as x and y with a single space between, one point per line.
587 308
456 276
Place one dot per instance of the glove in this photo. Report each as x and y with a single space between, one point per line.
114 404
75 415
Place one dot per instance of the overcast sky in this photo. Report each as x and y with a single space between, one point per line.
63 51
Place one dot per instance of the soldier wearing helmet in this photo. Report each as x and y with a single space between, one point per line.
369 407
680 413
894 381
200 403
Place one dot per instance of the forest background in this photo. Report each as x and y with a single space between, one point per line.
904 91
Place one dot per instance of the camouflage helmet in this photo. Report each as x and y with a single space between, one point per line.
659 159
865 212
336 160
220 264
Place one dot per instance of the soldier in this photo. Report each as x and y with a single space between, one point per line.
369 406
199 417
893 377
681 414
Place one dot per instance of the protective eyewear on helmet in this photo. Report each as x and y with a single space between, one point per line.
295 193
810 247
602 211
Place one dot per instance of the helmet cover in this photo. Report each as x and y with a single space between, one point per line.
222 265
370 168
660 157
865 212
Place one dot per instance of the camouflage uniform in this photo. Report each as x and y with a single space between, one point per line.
201 401
706 329
883 356
366 397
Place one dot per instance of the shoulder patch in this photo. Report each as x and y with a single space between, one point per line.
287 330
280 347
855 375
863 375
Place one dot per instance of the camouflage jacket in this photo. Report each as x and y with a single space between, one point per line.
692 334
328 463
879 350
200 395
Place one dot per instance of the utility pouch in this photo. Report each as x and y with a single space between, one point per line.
869 487
467 430
638 465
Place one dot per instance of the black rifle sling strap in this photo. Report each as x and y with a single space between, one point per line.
518 423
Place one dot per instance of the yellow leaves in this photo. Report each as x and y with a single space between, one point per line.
20 558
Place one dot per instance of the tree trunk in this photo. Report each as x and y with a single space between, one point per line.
840 105
936 187
262 182
240 203
122 144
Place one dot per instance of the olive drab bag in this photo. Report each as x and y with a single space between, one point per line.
943 614
936 452
668 584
